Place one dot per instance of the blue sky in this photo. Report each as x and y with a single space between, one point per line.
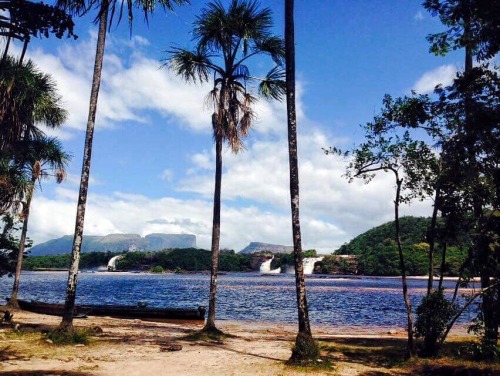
153 159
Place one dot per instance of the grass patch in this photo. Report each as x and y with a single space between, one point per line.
211 335
69 337
385 354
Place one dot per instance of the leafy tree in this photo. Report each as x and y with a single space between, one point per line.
44 157
225 41
36 103
106 11
25 19
412 163
9 245
306 349
471 23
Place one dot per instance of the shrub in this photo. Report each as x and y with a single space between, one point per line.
157 269
433 314
69 337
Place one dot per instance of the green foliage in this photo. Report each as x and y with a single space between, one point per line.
282 260
377 254
333 264
188 259
157 269
482 16
433 314
69 337
9 246
310 253
87 261
483 348
413 231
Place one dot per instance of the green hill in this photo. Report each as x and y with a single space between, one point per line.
377 254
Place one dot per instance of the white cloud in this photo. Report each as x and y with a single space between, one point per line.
167 175
419 16
443 75
255 182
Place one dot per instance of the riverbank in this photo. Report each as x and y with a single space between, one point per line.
135 347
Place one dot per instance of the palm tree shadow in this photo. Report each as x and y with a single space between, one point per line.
223 347
372 352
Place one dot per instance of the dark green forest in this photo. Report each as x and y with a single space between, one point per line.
376 249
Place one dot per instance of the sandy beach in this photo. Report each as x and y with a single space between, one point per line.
135 347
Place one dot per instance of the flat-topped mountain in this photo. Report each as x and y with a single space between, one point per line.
257 247
116 243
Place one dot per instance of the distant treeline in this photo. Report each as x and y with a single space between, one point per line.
90 260
188 259
375 251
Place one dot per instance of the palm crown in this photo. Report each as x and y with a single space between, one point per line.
225 41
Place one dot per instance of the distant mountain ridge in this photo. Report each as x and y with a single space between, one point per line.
116 243
257 247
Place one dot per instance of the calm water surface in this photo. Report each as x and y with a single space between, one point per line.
241 296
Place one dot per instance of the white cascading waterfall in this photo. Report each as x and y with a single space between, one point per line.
308 265
112 262
265 267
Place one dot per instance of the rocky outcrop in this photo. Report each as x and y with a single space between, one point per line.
116 243
257 247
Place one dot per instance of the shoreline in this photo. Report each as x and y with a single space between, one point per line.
262 274
135 347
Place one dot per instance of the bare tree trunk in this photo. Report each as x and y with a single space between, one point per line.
67 320
20 256
432 240
411 345
443 264
210 324
304 337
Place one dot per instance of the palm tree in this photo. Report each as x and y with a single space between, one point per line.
45 157
31 100
79 7
305 348
225 41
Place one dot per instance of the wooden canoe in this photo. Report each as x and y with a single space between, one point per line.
116 311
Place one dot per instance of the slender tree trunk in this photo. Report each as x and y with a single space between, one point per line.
25 47
411 345
443 264
210 324
304 335
20 256
67 320
432 240
5 51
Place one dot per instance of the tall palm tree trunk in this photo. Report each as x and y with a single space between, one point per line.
67 320
210 324
410 348
304 337
20 256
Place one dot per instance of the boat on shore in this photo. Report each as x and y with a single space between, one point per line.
139 311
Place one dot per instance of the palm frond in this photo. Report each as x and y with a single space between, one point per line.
273 86
274 46
191 66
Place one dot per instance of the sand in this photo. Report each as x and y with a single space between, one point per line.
135 347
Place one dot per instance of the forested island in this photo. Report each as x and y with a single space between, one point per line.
375 254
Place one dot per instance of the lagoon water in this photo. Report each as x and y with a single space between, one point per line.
241 296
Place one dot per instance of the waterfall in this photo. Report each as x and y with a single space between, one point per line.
308 265
112 262
265 267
